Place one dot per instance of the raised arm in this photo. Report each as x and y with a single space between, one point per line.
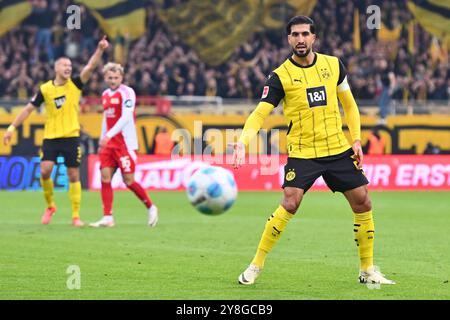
94 60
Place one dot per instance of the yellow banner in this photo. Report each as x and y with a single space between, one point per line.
12 13
119 18
101 4
403 134
356 31
214 29
277 12
411 46
389 35
433 16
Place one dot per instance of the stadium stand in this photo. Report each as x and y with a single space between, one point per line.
160 63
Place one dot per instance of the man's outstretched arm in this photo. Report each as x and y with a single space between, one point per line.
94 60
25 113
252 125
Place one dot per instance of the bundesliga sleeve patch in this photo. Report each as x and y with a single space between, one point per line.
265 92
128 103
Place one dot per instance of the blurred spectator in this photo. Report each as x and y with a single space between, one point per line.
58 36
376 144
211 86
88 27
42 17
72 46
431 149
387 83
230 90
20 86
159 63
163 142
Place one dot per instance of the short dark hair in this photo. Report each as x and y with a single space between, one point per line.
301 20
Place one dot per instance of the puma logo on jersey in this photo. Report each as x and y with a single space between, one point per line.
59 101
298 80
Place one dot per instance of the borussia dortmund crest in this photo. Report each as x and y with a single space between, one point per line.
325 73
290 175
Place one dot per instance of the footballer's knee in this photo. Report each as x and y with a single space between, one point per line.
367 205
73 174
290 206
292 199
359 199
106 175
46 169
106 178
128 180
46 174
362 204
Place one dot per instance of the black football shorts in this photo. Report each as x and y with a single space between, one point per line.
69 148
340 172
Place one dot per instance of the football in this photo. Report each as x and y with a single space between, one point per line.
212 190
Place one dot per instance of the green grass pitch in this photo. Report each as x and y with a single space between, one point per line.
192 256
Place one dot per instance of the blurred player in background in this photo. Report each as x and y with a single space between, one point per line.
376 145
118 143
310 84
61 98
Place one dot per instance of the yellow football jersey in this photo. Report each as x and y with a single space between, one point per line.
310 105
61 107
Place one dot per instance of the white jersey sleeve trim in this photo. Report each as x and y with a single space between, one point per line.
344 86
103 128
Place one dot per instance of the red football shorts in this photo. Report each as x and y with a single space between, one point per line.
118 158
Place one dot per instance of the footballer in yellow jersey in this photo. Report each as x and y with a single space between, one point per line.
309 84
61 103
60 97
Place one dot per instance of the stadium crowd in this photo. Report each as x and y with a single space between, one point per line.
159 63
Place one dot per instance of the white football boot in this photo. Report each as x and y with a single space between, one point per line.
373 276
152 216
105 221
249 275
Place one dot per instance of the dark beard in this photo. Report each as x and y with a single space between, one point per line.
302 55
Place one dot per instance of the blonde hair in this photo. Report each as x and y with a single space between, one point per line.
114 67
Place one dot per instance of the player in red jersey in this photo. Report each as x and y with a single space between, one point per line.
118 143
